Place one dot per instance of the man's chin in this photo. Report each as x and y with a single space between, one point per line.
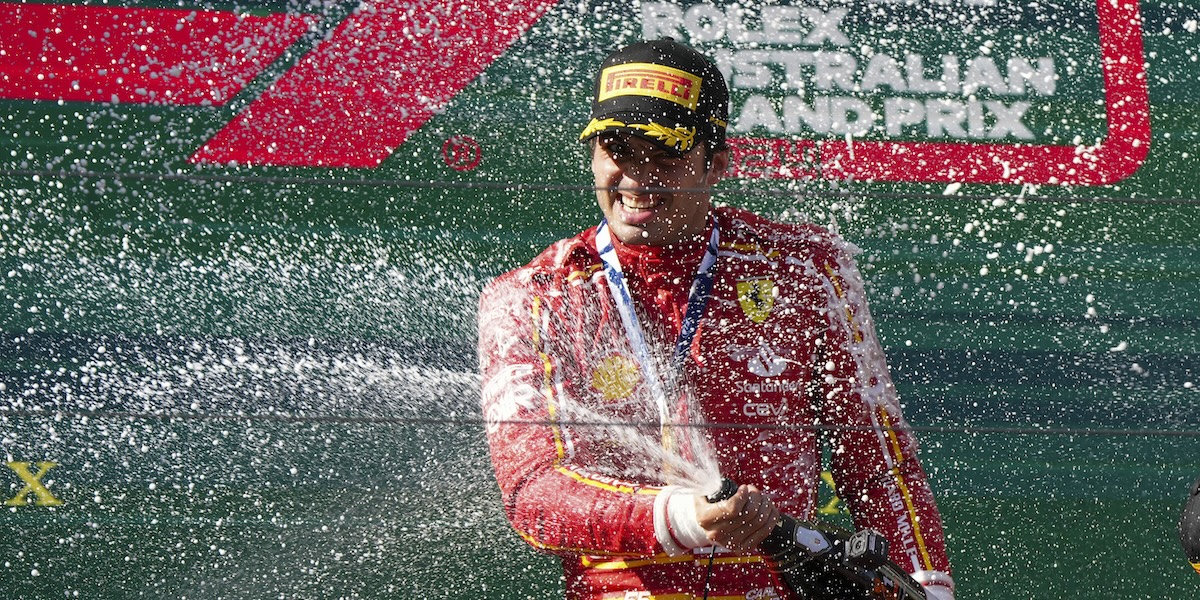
637 217
630 233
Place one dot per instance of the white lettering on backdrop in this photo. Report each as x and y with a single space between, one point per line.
803 75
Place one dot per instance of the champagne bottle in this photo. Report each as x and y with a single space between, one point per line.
1189 526
823 562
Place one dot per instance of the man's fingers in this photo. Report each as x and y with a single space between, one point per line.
766 523
742 521
760 519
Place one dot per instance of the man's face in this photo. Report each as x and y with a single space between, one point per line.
650 195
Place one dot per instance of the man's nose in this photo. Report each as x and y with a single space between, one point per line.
641 170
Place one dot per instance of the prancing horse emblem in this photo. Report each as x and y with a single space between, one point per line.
756 297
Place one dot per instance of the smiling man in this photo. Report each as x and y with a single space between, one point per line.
658 142
651 195
674 312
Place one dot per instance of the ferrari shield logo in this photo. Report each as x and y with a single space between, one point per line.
756 296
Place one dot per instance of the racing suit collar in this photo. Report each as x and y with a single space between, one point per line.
682 257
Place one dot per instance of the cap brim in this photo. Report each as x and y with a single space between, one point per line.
678 138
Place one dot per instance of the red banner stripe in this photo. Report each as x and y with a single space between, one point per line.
139 55
382 75
1119 155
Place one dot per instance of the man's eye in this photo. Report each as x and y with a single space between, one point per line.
617 149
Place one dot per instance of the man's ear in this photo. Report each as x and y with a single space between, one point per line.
717 166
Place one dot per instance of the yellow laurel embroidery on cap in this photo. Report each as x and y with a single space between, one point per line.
679 138
649 79
598 125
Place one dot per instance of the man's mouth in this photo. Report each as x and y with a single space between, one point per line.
640 204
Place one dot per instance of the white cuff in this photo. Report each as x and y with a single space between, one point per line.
675 523
938 585
938 592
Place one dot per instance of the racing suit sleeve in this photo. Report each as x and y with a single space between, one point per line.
551 500
874 453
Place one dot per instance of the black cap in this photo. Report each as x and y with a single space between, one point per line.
1189 527
663 91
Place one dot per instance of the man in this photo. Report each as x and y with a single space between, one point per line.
671 312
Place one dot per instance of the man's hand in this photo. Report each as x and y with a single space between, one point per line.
740 522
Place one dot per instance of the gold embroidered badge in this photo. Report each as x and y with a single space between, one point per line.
616 377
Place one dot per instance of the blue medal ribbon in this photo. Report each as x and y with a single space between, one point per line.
698 295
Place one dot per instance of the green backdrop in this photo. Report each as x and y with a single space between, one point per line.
257 381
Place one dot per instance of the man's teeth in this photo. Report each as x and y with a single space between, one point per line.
631 203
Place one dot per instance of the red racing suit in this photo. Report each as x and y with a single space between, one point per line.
785 355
